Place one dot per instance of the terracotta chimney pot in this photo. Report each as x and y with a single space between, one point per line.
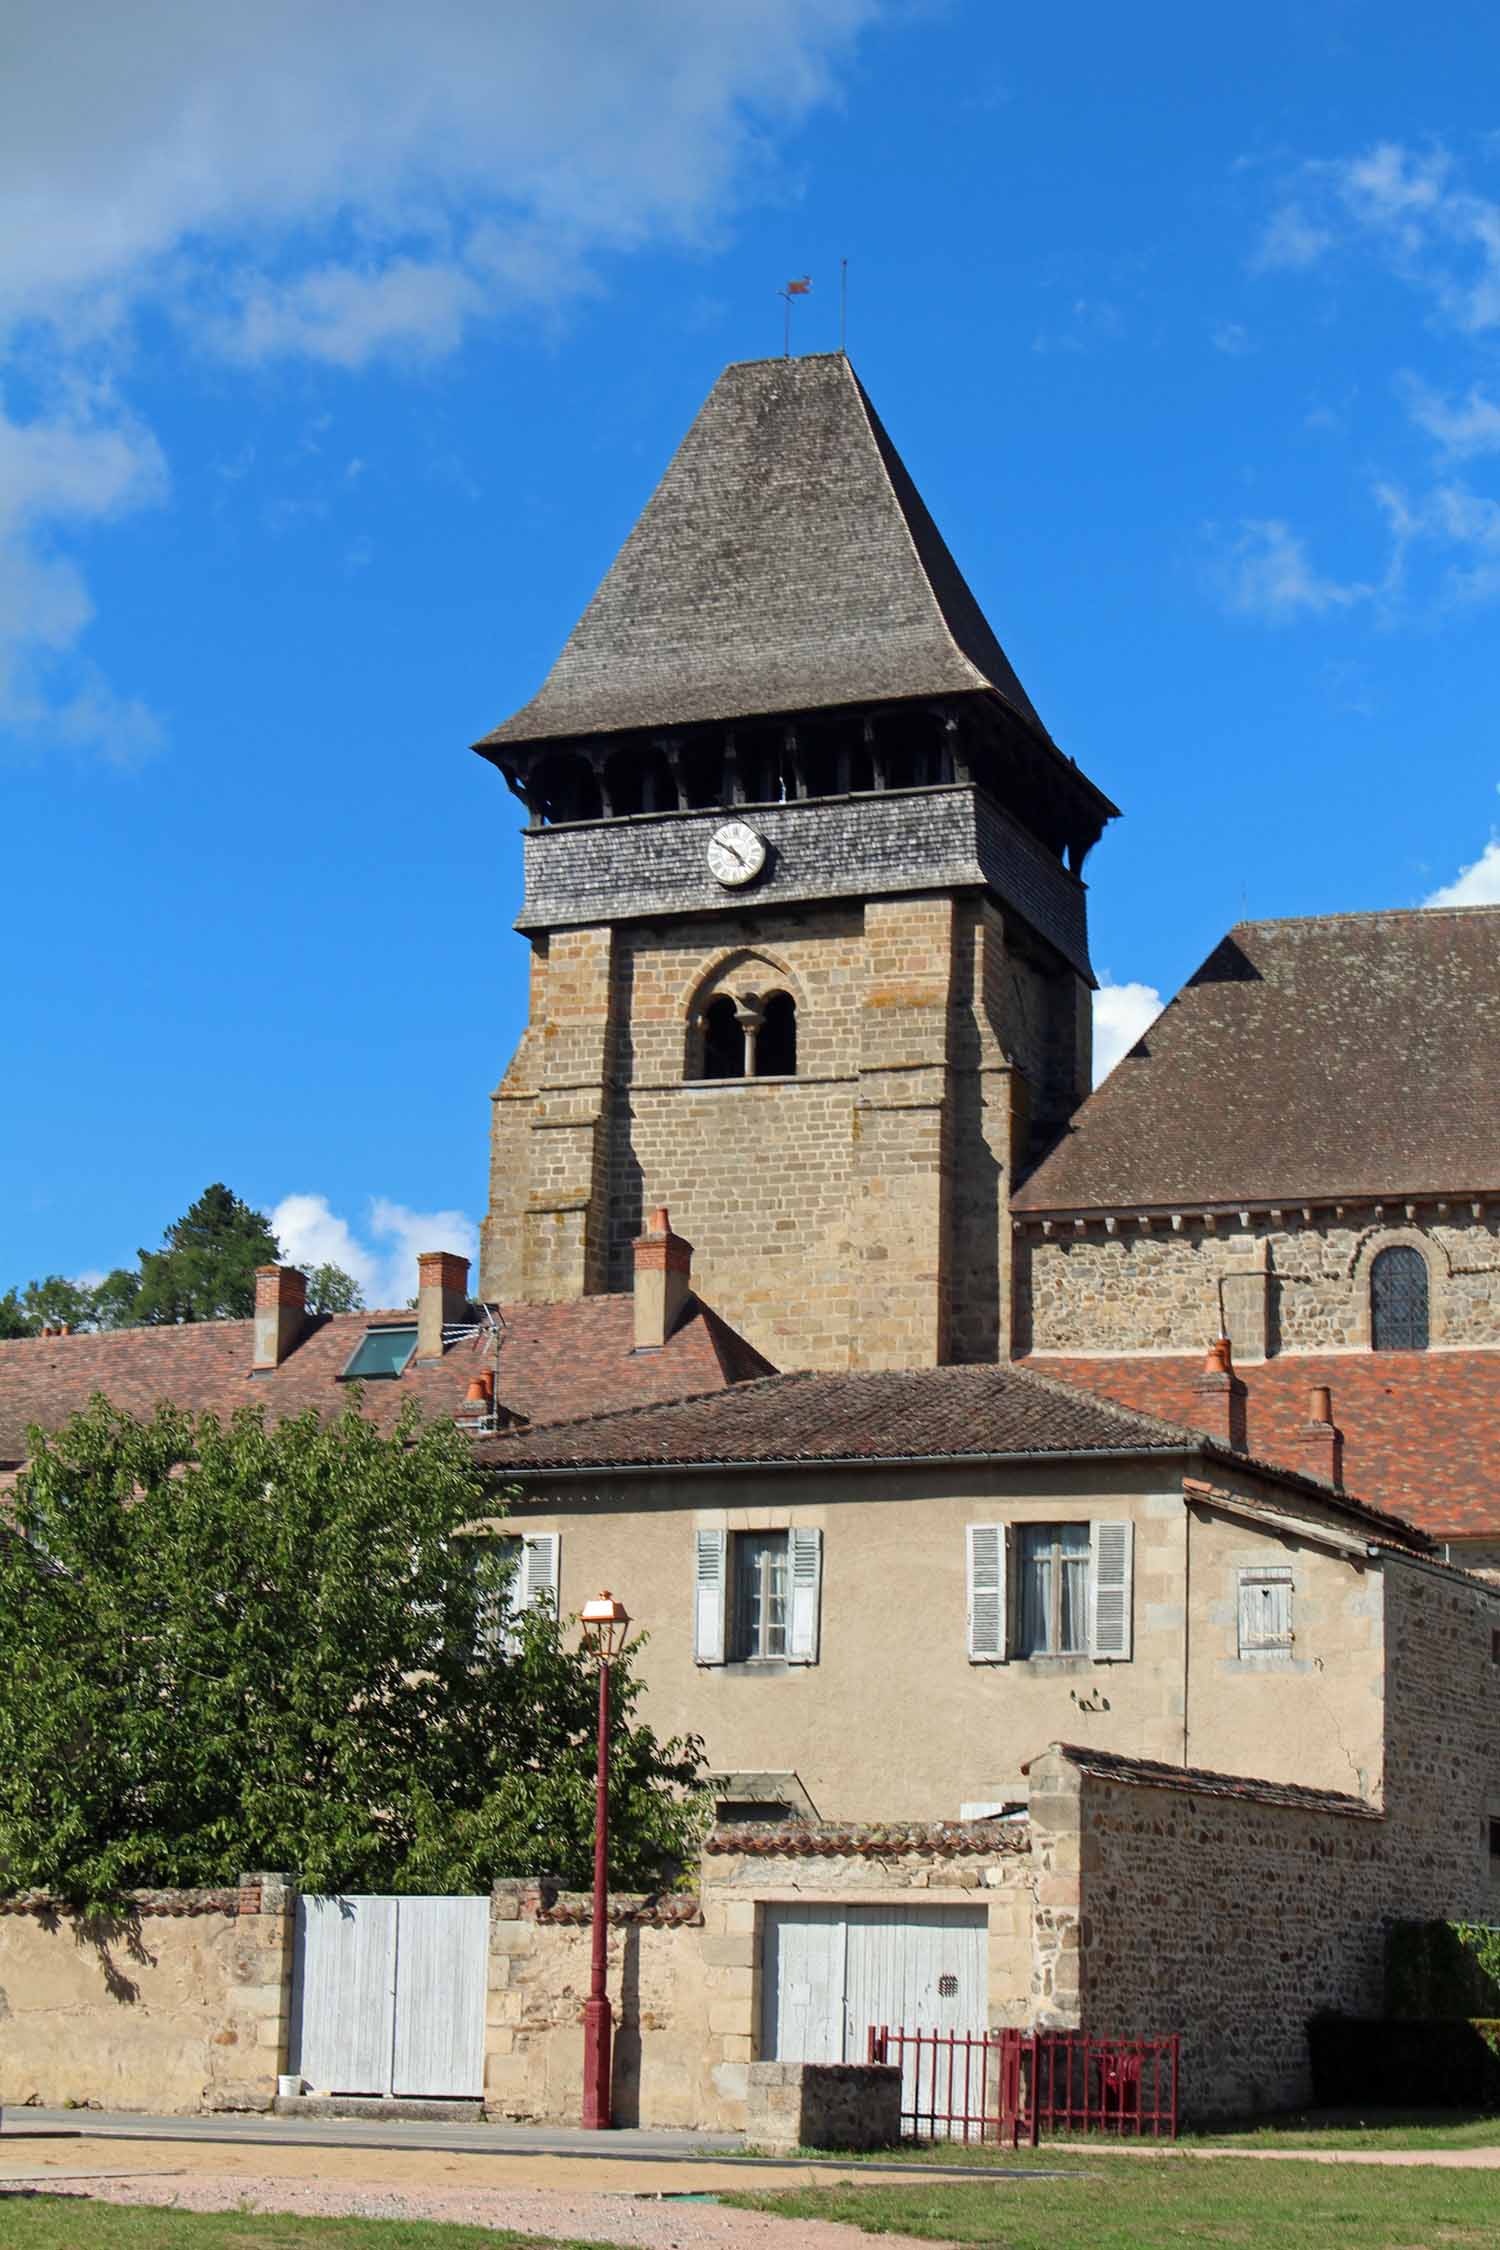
1220 1397
1321 1443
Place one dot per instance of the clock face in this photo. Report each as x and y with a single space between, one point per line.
735 854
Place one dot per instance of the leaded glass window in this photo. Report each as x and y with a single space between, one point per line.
1398 1300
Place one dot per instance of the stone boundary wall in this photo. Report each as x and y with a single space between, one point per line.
1224 1909
179 2004
824 2105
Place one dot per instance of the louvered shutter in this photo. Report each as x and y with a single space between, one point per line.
1111 1573
709 1596
536 1580
988 1607
805 1543
1265 1607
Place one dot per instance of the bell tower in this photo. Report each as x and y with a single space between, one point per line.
802 890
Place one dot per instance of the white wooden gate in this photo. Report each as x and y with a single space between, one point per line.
830 1972
388 1995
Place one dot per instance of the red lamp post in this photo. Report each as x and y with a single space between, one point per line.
605 1624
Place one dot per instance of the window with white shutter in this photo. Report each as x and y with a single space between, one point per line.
1265 1611
536 1555
710 1595
1111 1590
988 1607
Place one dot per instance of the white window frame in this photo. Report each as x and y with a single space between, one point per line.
537 1578
713 1594
992 1580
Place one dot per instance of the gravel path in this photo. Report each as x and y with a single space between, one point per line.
655 2223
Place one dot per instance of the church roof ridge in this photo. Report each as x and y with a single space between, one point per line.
785 562
1360 914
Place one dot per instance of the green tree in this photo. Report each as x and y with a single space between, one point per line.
205 1268
14 1320
234 1645
53 1302
331 1290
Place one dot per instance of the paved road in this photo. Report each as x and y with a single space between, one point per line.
638 2145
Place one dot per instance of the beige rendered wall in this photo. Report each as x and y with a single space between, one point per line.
893 1721
180 2006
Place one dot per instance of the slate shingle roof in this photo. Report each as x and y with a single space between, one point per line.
1421 1429
1351 1055
785 562
555 1361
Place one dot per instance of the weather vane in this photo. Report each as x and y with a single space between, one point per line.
792 289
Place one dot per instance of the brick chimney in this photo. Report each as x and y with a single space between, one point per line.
663 1281
1321 1443
442 1298
280 1314
1220 1397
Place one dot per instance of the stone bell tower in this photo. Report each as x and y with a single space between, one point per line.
802 890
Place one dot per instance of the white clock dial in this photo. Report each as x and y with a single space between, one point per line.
735 853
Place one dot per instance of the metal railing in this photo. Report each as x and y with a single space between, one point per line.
1013 2085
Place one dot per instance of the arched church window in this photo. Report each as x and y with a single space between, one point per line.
723 1040
1398 1300
776 1040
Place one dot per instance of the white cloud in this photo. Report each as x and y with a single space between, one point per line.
1121 1013
1478 884
1231 338
1290 242
382 1256
1460 427
302 182
81 465
1269 574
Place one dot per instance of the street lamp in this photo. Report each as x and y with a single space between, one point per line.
605 1623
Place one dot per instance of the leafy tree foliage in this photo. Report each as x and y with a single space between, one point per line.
232 1645
204 1270
331 1290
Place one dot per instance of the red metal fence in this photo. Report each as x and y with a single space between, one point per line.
1022 2085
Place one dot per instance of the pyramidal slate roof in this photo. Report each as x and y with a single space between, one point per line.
785 562
1350 1056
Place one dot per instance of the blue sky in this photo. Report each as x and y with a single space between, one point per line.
341 347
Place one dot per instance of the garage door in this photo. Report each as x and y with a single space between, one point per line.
829 1973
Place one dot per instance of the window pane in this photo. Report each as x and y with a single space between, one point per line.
382 1352
1075 1603
1398 1300
760 1593
1036 1589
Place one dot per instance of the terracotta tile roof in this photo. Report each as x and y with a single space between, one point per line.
896 1415
786 561
1151 1773
1350 1056
797 1839
555 1361
1421 1429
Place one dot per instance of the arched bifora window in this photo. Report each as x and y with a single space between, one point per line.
1398 1300
776 1040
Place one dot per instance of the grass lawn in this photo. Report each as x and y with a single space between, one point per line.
1375 2128
67 2222
1162 2202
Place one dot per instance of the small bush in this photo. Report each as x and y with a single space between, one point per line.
1405 2063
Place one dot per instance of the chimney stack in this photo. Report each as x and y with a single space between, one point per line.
1221 1397
442 1298
663 1281
280 1314
1321 1442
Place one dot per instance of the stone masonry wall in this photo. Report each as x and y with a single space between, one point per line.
1232 1910
180 2006
1303 1283
853 1214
